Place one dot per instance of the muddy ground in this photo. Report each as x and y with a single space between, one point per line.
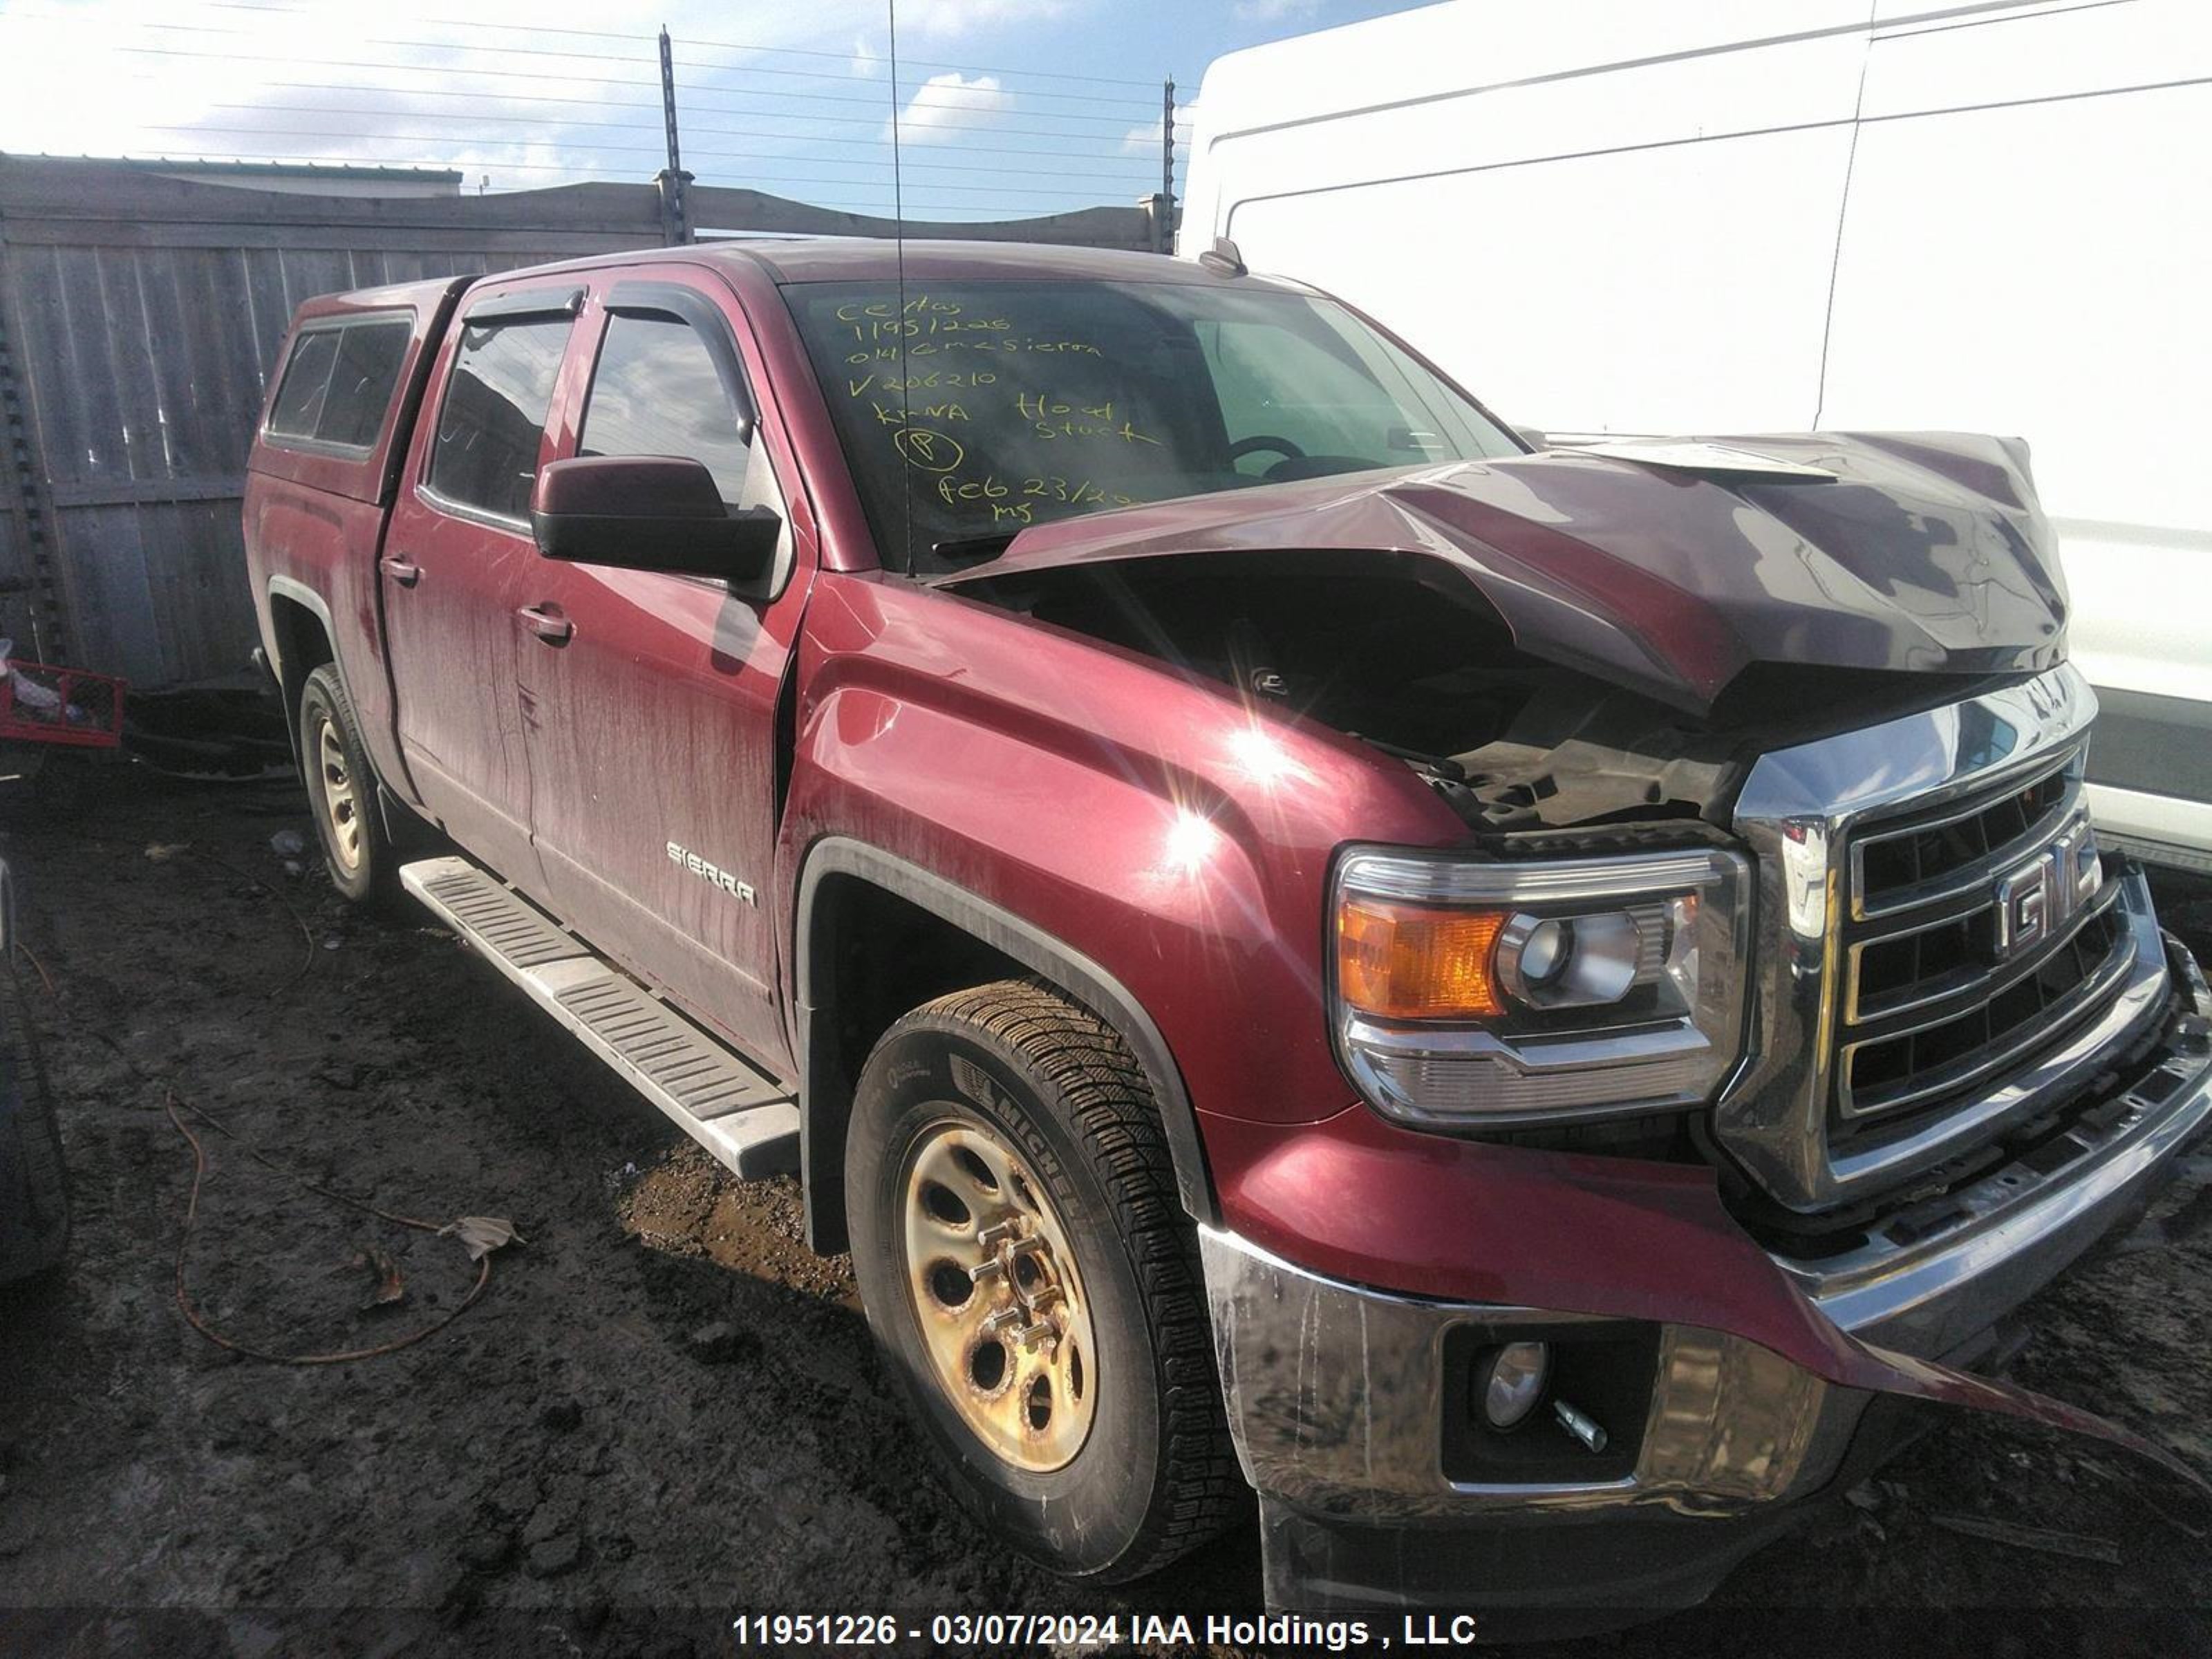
663 1410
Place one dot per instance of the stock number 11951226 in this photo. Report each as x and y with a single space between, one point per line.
955 1630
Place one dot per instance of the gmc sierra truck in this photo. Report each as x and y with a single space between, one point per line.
1509 1001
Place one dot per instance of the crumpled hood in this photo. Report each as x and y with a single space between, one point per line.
1924 552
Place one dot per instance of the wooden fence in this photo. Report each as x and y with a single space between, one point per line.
140 316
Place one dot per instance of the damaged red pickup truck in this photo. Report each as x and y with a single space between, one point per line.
1509 997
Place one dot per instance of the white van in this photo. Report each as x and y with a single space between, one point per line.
1744 215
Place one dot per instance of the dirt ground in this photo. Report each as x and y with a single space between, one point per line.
664 1410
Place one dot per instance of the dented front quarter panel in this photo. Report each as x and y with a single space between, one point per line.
1152 823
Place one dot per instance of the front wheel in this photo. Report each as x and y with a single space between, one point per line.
341 789
1029 1274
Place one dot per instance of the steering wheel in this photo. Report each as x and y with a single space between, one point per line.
1258 441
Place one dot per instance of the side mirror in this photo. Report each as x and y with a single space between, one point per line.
1533 438
649 513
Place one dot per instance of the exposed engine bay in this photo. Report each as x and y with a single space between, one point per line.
1579 638
1400 651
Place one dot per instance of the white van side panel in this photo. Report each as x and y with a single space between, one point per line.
1628 215
2061 235
1643 325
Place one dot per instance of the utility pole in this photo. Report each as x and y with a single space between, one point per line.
675 198
1164 219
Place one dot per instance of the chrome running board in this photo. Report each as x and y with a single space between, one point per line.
746 1117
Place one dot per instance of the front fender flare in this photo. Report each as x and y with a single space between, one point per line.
1012 936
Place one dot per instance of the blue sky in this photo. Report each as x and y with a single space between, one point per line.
1007 107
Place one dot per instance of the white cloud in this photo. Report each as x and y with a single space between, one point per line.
947 104
1274 11
151 77
185 78
1143 139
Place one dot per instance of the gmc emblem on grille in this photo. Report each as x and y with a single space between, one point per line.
2035 901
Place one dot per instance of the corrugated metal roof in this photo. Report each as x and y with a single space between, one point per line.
263 169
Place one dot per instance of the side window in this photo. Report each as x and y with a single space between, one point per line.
307 384
363 381
494 413
339 382
659 390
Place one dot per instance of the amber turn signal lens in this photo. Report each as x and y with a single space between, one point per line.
1413 962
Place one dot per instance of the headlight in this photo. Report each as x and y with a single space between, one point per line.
1503 995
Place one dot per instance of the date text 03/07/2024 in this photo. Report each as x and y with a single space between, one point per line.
1275 1632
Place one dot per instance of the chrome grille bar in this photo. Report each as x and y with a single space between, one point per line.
2028 811
1880 855
2004 1050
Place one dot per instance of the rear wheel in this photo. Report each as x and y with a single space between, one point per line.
1028 1270
342 790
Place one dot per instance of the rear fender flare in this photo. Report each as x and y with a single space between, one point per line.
296 592
293 590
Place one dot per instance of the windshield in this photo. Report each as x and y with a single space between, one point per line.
982 408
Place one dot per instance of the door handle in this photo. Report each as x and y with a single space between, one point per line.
401 568
547 622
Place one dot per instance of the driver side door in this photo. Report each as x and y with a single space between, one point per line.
651 699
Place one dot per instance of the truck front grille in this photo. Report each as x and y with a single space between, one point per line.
1973 938
1945 960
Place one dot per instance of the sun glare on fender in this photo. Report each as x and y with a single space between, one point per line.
1190 843
1263 759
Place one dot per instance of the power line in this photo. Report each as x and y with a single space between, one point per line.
445 92
1091 99
411 138
565 122
723 45
917 103
467 143
992 127
474 116
926 63
1020 206
717 90
537 30
751 171
352 63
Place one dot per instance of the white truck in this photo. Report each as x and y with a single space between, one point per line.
1675 216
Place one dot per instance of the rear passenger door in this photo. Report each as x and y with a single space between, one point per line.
651 709
455 561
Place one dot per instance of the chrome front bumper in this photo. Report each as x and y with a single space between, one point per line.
1336 1393
1944 1271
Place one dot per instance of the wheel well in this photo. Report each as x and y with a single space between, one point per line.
302 647
874 956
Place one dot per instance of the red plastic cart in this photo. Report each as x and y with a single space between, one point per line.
54 723
71 707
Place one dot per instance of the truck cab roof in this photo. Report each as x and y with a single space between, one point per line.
786 260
